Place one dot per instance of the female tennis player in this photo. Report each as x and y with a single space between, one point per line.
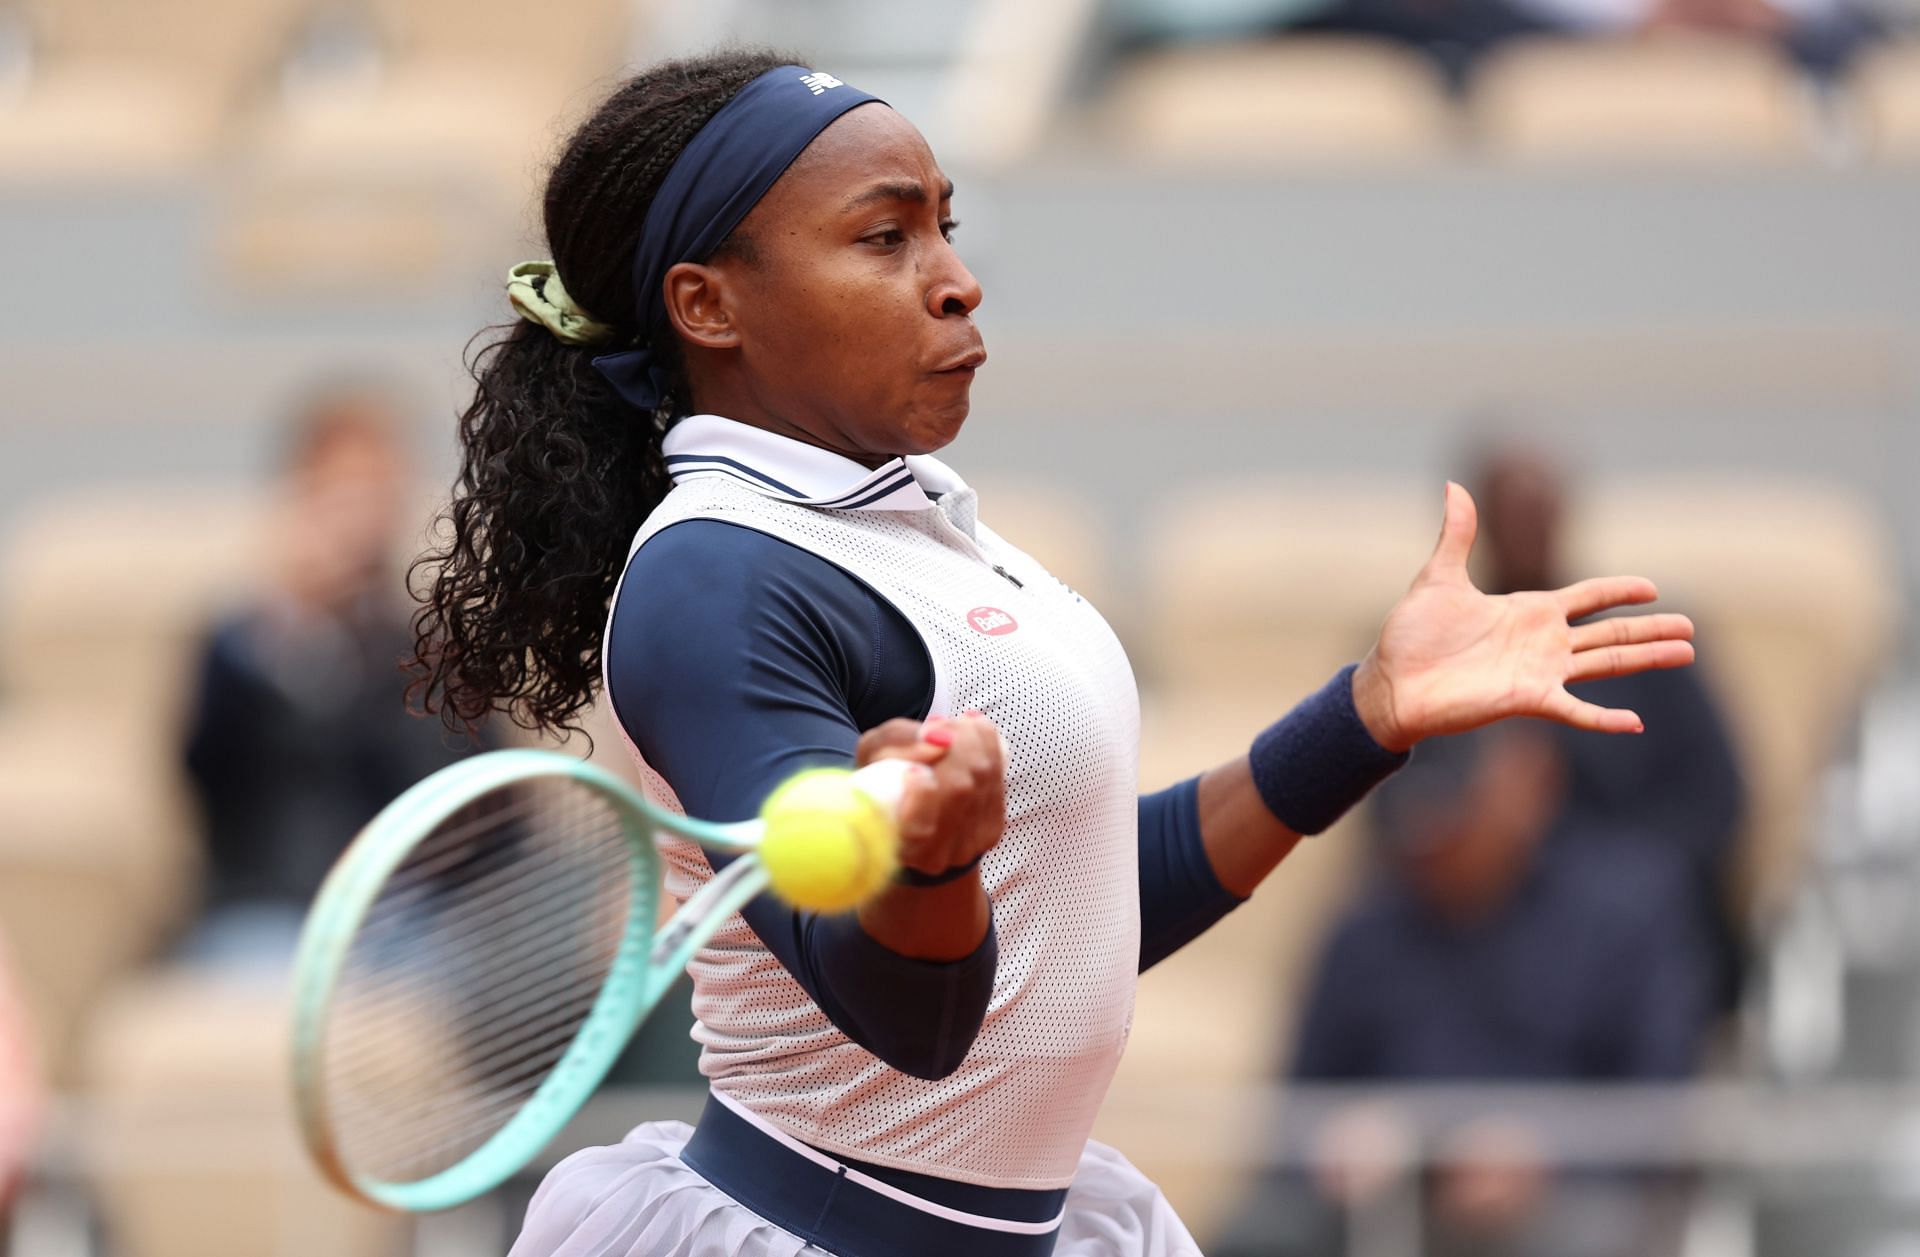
720 409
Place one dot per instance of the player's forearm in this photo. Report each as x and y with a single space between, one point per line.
918 1014
1244 840
1181 896
939 923
1300 776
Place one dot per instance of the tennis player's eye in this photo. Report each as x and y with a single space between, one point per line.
948 227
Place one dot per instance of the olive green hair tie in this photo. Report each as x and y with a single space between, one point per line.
536 292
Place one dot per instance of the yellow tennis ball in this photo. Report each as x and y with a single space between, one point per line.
827 847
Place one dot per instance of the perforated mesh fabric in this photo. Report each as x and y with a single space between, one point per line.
1044 666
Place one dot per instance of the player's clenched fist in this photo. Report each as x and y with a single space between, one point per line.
952 813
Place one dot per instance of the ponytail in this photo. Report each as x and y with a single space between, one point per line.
556 475
557 472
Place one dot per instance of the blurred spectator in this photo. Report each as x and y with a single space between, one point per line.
1455 34
1475 959
1479 956
1451 32
1153 21
1673 792
19 1091
1820 34
299 732
1553 907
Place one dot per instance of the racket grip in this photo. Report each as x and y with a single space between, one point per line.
885 782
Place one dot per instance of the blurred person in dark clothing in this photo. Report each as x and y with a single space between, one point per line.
1551 908
299 731
1477 957
1821 35
1674 792
1450 33
1481 956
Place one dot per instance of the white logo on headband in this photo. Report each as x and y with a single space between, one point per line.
819 81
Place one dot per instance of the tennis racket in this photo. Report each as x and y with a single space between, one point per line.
478 958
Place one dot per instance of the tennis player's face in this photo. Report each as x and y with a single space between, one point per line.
854 313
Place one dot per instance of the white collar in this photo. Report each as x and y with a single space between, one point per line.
793 471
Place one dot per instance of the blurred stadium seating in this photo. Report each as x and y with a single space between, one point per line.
1642 101
100 862
119 89
1796 585
1326 99
1293 263
204 1154
1887 88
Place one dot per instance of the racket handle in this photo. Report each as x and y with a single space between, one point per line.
885 782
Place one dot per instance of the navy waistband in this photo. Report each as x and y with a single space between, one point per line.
844 1210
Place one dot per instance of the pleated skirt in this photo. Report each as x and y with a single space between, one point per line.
639 1198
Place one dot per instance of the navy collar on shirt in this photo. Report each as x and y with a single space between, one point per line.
793 471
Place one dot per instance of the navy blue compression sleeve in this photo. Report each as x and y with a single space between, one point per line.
733 661
1180 895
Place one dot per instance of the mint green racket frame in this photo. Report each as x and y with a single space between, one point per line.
645 964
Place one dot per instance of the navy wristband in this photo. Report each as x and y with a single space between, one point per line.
914 877
1319 760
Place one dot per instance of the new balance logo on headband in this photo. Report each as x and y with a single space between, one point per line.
819 81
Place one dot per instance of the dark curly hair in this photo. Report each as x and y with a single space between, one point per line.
557 473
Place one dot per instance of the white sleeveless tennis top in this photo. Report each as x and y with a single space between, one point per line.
1044 666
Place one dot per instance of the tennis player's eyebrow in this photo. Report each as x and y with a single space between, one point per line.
897 192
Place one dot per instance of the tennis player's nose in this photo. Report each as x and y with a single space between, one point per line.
955 291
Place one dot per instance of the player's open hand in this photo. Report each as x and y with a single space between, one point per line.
955 812
1452 658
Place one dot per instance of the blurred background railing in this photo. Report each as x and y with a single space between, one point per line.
1258 276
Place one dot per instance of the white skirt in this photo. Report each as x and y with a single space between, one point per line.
637 1198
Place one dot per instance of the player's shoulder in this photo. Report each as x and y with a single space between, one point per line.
704 560
703 594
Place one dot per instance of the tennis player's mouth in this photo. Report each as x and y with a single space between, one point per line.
965 365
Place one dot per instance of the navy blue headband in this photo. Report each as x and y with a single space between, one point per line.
722 173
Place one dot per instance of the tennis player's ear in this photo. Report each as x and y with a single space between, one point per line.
699 301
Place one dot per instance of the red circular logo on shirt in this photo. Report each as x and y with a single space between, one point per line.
991 620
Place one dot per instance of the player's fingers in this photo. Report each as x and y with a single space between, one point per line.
977 745
1629 630
895 739
918 817
932 842
991 764
1584 598
984 752
1569 710
916 743
1619 661
973 778
1459 523
990 820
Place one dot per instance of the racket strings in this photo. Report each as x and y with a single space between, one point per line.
526 896
472 973
512 1054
